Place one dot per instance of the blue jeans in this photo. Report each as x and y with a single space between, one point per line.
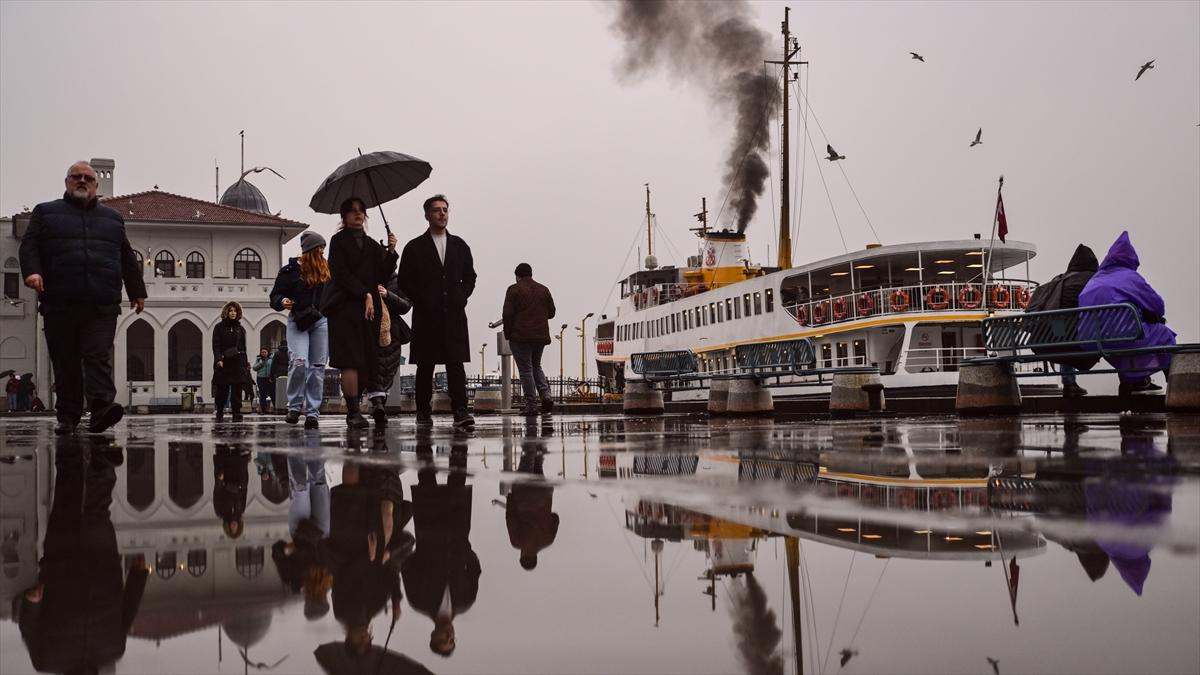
310 492
309 352
528 356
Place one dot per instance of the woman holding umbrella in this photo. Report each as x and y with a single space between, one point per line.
358 265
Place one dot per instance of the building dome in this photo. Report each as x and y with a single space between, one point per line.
244 195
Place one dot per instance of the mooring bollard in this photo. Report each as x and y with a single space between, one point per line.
408 403
1183 382
641 398
748 397
488 400
851 394
987 388
441 402
718 397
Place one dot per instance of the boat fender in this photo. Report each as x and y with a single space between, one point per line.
1022 297
942 301
899 301
866 304
1000 297
840 309
969 297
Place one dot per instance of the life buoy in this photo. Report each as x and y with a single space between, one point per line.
841 308
818 313
899 301
654 296
970 297
1022 297
937 292
944 498
802 315
1000 297
906 498
866 304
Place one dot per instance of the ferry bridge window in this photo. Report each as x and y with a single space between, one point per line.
746 304
860 352
164 264
826 356
841 354
770 299
757 303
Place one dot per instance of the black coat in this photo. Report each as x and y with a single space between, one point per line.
353 341
290 284
443 556
229 489
229 347
83 255
439 294
1062 292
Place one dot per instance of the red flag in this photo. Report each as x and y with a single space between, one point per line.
1003 227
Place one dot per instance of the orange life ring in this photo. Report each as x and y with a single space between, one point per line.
1022 297
937 304
899 301
944 498
818 313
654 296
976 297
802 315
1000 297
840 309
866 304
906 498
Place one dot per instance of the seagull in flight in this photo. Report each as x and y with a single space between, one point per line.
978 138
1145 66
917 57
848 654
995 664
833 156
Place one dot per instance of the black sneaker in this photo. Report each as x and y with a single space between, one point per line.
424 419
105 417
463 420
529 410
293 416
64 428
547 406
1073 391
1143 386
310 422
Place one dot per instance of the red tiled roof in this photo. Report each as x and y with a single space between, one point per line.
156 205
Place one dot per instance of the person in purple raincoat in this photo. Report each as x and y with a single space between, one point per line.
1118 281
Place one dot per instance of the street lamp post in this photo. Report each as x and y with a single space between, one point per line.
583 347
482 365
559 337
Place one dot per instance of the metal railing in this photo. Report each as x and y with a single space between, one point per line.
564 390
929 297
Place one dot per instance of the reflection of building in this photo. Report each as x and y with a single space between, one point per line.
24 500
196 255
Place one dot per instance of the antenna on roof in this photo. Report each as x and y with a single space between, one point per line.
242 134
217 182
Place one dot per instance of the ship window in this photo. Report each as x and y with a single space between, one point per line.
826 356
757 303
737 309
842 353
729 309
712 312
770 299
746 304
720 312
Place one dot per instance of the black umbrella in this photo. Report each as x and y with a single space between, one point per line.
375 178
334 658
6 373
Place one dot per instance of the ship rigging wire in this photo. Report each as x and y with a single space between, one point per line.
841 603
621 269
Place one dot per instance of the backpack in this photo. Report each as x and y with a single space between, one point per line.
1047 296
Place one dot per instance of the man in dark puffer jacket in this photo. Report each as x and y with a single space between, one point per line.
75 255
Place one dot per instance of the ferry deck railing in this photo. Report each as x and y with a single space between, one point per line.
1006 294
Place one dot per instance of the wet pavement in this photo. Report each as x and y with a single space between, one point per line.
598 544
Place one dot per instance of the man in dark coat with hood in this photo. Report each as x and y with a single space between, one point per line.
76 256
1062 292
437 273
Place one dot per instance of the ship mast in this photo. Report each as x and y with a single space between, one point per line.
791 47
651 261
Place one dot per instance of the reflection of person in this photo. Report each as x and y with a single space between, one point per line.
229 360
298 288
437 273
358 265
232 479
528 511
77 617
528 308
367 544
11 388
1118 281
76 256
388 360
303 562
442 575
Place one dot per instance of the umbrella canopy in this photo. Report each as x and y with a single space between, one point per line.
6 373
334 658
376 178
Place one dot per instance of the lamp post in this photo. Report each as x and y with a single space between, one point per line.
583 347
559 337
482 359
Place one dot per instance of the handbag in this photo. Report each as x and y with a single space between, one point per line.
402 333
306 317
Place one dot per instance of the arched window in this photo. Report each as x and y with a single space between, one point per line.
249 560
139 349
141 262
139 476
247 264
195 265
165 565
164 264
183 348
197 561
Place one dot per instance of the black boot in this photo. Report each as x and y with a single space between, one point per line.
237 411
354 418
378 411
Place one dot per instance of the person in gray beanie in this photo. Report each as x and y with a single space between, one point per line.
298 288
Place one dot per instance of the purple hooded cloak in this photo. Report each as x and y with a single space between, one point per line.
1118 281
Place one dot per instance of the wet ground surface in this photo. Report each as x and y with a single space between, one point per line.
605 545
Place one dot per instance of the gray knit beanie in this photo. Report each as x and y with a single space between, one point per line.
310 240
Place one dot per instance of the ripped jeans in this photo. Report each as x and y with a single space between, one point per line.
308 352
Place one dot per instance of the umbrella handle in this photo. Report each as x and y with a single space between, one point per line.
371 182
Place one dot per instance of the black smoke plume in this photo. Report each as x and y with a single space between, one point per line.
757 632
713 45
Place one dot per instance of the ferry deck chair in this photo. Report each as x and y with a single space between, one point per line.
782 358
1054 335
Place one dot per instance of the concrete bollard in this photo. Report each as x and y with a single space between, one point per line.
748 397
641 398
1183 382
407 403
851 394
488 400
718 397
441 402
985 388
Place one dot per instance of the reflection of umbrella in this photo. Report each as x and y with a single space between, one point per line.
375 178
6 373
334 658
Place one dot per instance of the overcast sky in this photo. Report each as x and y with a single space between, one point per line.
543 150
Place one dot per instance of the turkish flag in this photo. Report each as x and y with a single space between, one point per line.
1003 222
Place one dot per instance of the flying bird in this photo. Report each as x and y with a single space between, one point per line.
978 138
995 664
833 156
1146 66
918 57
848 654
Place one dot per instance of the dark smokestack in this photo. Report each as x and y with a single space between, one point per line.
757 632
713 45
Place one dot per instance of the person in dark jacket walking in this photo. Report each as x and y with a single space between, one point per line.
298 288
528 307
229 360
437 273
357 265
76 256
231 481
529 509
78 615
1062 292
389 358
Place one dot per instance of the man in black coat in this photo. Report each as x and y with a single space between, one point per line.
1062 292
75 255
437 274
